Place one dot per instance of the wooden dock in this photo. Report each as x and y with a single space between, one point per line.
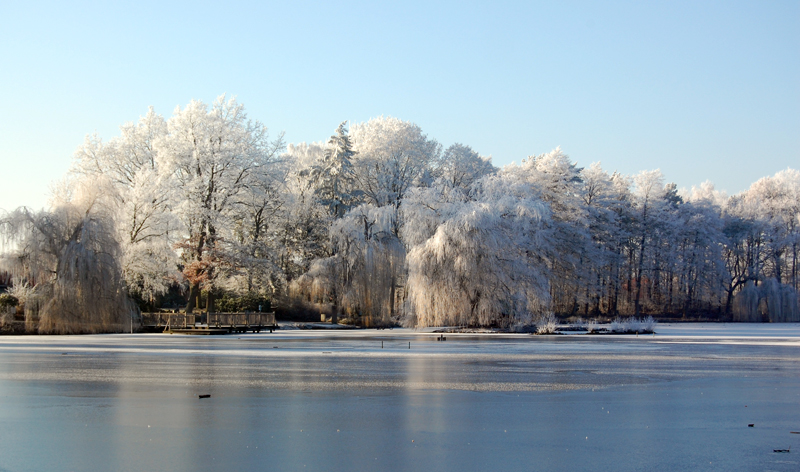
208 323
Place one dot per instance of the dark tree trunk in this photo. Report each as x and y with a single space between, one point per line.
194 293
210 302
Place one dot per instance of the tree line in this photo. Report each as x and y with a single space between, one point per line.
381 225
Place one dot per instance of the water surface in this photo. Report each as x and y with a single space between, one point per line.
365 401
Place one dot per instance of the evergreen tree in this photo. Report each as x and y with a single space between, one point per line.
333 176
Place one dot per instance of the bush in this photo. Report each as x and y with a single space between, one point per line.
231 303
546 324
7 301
298 309
592 326
633 325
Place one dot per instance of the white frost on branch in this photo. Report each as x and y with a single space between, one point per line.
71 257
486 262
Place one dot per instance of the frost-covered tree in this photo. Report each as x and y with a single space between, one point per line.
770 301
212 155
258 223
304 222
738 255
556 180
360 277
379 225
141 198
695 269
605 198
485 264
392 157
460 166
762 248
649 198
70 257
777 203
368 263
333 176
425 208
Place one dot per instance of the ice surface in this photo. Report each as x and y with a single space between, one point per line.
313 400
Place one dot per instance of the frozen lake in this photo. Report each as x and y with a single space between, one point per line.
362 400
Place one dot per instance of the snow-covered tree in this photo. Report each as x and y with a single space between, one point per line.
649 197
371 260
333 176
212 156
460 166
70 256
697 269
379 225
557 182
392 156
762 248
258 223
304 222
777 203
141 198
605 198
486 262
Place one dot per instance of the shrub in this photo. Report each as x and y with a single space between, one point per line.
7 301
546 324
633 325
231 303
592 326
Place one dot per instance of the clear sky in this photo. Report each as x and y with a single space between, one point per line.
701 90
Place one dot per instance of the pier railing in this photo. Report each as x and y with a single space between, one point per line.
208 320
220 320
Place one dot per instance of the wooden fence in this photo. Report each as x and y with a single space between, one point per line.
233 322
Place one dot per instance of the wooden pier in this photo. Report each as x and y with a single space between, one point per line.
208 323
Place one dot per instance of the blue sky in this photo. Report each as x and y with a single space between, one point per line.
701 90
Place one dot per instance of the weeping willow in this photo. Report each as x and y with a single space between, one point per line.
372 294
70 257
480 268
364 278
771 301
364 285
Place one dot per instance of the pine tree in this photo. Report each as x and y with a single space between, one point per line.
333 176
